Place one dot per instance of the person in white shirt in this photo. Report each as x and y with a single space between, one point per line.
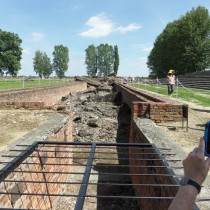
170 80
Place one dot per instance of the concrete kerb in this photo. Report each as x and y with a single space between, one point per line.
157 136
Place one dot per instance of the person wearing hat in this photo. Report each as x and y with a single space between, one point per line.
170 81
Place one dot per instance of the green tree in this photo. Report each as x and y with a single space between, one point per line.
163 55
42 64
10 53
116 59
105 59
47 71
91 60
60 60
184 45
101 60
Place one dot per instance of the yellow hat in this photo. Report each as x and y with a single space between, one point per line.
171 71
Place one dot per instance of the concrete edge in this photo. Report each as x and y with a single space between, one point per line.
157 136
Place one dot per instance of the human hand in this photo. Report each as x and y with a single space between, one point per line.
196 166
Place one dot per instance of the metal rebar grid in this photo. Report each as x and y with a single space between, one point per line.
47 175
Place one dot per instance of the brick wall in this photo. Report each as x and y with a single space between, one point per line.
139 159
146 131
38 98
151 106
138 136
158 112
37 165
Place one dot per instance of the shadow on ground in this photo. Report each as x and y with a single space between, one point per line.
115 184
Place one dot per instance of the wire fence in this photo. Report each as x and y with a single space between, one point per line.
12 83
159 86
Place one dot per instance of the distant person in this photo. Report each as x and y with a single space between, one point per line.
126 79
196 168
170 81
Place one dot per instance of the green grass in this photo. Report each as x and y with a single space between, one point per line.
20 83
201 97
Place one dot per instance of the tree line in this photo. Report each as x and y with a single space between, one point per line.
184 45
100 61
11 54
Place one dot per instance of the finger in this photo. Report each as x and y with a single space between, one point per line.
190 154
195 150
201 147
207 161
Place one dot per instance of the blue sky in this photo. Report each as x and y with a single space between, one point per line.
132 25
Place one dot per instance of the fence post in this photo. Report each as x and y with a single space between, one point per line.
23 82
157 85
177 89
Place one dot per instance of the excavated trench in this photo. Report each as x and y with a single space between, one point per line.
110 123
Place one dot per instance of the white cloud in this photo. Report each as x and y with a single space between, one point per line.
100 25
27 51
144 47
37 36
147 49
128 28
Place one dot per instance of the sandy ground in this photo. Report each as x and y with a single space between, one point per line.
16 123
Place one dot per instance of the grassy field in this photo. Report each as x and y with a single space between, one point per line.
22 83
201 97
